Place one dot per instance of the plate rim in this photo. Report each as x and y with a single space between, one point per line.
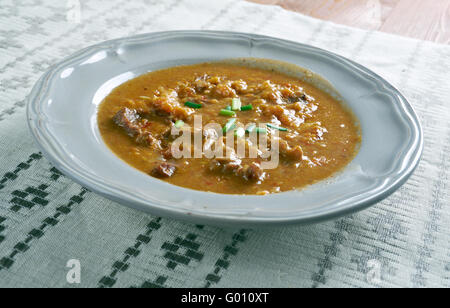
42 86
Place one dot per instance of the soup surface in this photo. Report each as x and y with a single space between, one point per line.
261 131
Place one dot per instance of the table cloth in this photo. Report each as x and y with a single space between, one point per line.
47 220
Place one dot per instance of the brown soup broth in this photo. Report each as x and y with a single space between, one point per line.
321 136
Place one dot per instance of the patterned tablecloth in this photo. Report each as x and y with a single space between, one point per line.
47 220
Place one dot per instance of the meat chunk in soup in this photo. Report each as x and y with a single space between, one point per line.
164 170
135 126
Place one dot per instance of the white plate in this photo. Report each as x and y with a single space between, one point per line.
62 110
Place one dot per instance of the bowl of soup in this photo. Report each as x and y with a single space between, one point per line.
225 128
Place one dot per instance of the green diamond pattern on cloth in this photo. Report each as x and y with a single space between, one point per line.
158 283
2 228
28 198
11 176
131 252
182 251
38 233
223 262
